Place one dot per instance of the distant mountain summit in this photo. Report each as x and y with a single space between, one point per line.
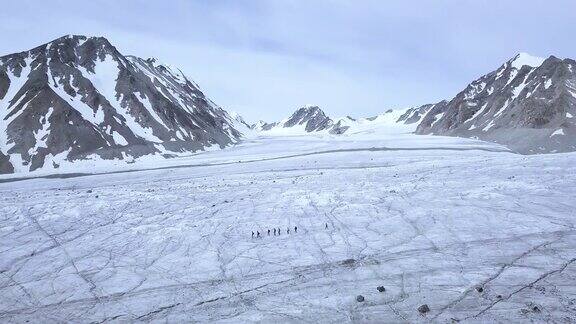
311 118
528 104
261 125
78 98
307 119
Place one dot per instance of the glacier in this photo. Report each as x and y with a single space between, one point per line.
468 228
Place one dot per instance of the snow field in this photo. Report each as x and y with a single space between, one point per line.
429 218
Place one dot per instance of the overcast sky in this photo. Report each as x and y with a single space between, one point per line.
265 58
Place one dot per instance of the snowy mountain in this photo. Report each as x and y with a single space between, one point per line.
528 104
308 119
312 120
78 98
262 126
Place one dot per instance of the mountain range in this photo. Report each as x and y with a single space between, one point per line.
528 104
78 98
307 119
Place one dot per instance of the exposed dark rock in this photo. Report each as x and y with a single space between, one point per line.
349 262
423 309
5 165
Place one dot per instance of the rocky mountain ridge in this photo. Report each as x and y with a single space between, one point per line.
528 104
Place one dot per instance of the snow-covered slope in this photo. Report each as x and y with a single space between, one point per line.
78 98
528 104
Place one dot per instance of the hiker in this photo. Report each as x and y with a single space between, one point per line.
274 231
268 232
288 230
257 233
252 234
295 229
278 230
326 226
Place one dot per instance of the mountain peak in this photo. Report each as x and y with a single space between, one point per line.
94 101
523 58
79 38
310 108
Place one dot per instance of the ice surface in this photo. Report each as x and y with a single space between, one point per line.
430 218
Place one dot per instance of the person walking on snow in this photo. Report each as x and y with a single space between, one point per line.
278 230
268 232
274 231
288 230
252 234
295 229
326 226
257 233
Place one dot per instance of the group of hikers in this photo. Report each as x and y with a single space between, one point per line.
278 231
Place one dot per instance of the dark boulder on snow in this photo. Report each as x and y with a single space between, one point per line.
423 309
